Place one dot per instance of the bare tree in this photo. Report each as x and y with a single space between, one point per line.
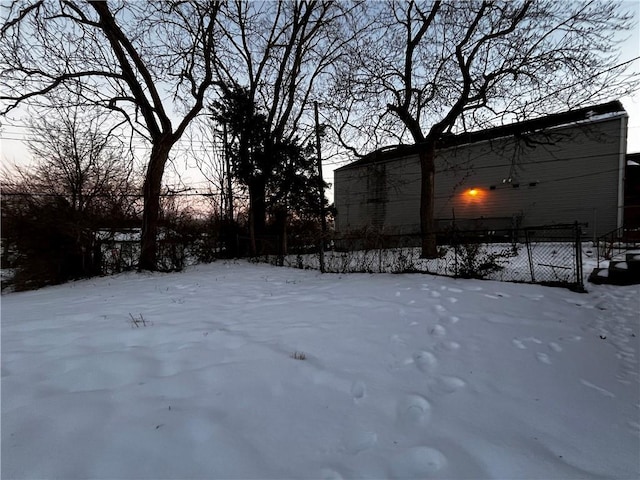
282 53
81 181
426 69
138 58
78 158
207 151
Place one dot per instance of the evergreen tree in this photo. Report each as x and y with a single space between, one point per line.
280 175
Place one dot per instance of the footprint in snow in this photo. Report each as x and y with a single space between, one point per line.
454 319
358 390
635 426
438 331
356 441
543 358
413 410
425 361
519 344
452 300
435 294
555 347
575 338
448 384
417 462
492 296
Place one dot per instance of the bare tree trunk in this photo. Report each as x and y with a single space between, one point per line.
257 212
253 249
259 209
281 222
151 212
427 157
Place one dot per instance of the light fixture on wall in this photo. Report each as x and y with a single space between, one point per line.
473 195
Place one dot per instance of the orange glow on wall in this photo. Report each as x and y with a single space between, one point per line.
473 195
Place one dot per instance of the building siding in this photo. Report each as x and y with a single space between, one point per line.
563 175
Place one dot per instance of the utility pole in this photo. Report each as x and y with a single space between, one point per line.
225 145
323 220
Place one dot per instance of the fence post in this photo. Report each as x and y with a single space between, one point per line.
529 254
321 253
323 218
578 249
454 243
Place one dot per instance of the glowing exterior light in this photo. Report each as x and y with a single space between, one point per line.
474 195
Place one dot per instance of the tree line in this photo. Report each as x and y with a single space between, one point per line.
385 73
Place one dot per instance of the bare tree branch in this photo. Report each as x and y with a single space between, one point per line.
151 48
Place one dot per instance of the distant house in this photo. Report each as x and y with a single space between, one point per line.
557 169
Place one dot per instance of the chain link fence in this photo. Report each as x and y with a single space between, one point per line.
555 255
549 254
119 251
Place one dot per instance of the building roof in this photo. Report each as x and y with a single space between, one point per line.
513 129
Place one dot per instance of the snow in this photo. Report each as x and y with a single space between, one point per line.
238 370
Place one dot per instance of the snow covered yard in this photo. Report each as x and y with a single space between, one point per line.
234 370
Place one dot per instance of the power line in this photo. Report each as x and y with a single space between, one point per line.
176 148
124 195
